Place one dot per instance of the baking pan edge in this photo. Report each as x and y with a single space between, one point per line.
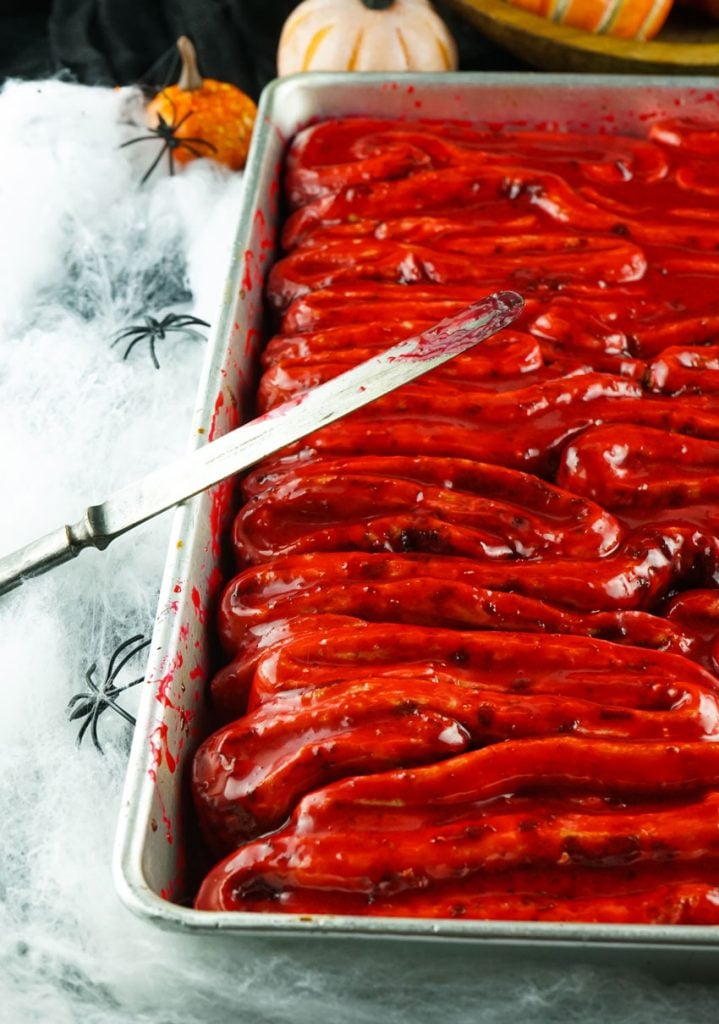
285 106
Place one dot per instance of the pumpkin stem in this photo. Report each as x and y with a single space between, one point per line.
190 79
378 5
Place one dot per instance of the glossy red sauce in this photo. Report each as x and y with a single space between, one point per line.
473 646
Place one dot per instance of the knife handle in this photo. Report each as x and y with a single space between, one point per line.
41 555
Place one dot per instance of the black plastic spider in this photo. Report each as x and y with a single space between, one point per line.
165 132
155 330
91 705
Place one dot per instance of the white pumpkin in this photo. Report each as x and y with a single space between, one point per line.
365 35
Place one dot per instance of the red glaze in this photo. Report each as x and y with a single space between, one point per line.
643 469
538 420
249 775
301 657
632 896
232 685
448 506
475 639
297 364
612 805
423 588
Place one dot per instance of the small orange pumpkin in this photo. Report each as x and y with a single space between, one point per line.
628 19
203 117
365 35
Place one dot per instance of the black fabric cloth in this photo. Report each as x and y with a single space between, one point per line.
120 42
24 39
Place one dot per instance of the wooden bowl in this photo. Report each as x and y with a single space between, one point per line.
688 44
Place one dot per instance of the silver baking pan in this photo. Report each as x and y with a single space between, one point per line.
155 828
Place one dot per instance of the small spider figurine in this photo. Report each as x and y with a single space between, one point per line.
91 705
166 132
155 330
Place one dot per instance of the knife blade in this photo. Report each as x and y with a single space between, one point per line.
256 440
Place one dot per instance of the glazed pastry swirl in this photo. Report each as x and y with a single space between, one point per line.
473 642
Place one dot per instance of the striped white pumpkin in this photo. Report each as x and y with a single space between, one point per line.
628 19
365 35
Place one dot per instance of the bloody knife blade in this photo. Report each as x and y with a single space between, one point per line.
256 440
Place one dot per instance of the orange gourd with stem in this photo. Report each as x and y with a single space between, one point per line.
199 118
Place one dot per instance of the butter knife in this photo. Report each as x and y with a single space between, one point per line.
256 440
